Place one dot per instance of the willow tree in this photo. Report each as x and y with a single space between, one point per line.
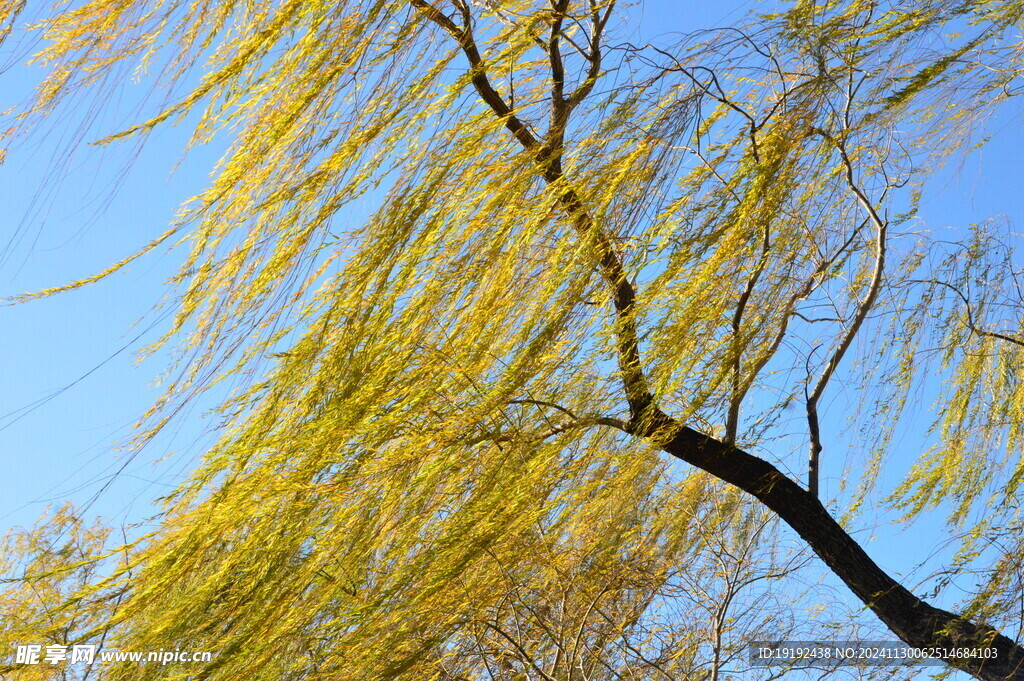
478 431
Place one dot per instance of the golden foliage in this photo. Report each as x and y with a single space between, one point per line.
431 439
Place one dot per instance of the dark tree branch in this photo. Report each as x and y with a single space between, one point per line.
913 620
910 618
738 390
548 158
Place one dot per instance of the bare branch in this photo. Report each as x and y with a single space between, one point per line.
970 316
576 423
866 303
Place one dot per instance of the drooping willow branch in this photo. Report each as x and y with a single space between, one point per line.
971 324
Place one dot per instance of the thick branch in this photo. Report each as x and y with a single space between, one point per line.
913 620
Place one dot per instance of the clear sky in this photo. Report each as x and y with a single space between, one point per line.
71 386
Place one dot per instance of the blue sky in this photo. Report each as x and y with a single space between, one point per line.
72 387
